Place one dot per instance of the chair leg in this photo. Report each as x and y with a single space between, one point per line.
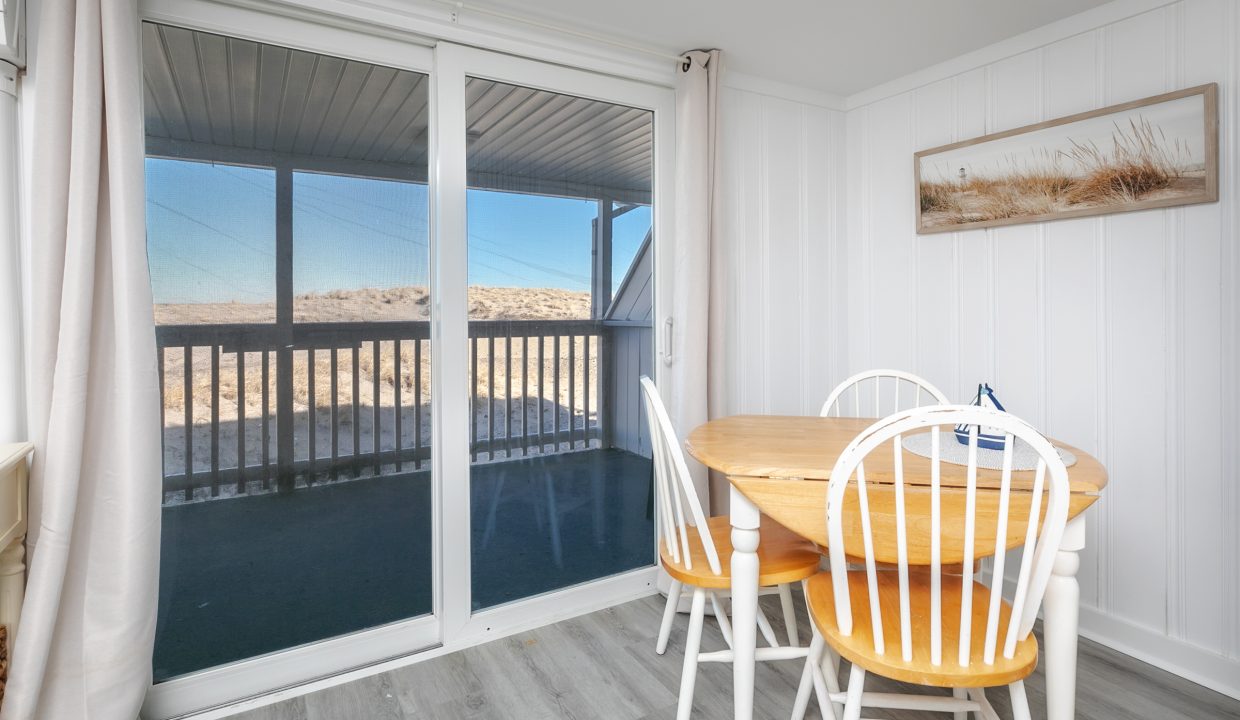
960 694
807 677
725 627
790 615
768 632
985 711
856 685
669 614
830 670
1020 703
693 642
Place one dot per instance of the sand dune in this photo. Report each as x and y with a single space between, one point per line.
380 305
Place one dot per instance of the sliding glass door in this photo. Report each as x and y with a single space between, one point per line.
560 298
335 494
549 209
288 246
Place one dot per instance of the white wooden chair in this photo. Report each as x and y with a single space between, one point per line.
920 624
903 391
690 548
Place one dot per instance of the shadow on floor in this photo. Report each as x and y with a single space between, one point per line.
246 576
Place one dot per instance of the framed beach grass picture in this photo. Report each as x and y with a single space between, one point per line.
1152 153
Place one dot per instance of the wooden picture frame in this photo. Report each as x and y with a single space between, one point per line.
1114 159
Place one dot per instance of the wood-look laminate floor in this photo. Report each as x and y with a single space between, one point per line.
603 666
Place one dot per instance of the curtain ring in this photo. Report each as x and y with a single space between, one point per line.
684 67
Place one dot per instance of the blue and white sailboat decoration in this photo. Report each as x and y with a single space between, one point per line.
987 437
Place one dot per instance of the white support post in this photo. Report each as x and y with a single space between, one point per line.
601 270
1061 609
745 519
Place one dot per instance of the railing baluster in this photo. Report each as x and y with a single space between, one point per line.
286 475
215 420
525 394
555 382
187 364
473 398
585 390
508 395
376 432
355 371
265 424
417 399
606 386
312 414
240 421
491 396
572 389
335 388
541 394
400 464
163 457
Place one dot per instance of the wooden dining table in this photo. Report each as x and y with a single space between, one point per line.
779 465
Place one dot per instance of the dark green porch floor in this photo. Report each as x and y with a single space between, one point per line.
246 576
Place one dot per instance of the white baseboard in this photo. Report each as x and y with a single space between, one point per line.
1217 672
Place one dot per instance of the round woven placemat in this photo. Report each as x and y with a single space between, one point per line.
1024 457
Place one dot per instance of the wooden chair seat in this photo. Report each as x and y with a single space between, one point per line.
783 556
858 648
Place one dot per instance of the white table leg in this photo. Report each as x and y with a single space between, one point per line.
745 520
1061 608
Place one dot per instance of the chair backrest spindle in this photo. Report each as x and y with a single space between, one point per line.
970 517
970 531
896 379
677 498
936 564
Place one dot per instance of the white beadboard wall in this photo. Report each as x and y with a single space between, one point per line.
782 335
1117 334
782 180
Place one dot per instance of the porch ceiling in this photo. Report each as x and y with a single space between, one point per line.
209 97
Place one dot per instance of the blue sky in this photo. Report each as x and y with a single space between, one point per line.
211 235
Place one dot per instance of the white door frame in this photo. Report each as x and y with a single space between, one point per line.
451 625
453 63
258 675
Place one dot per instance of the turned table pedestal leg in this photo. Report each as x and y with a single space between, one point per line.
1061 609
745 519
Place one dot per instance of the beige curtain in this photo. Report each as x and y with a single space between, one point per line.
693 315
84 644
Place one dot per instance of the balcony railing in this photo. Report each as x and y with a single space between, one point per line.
249 407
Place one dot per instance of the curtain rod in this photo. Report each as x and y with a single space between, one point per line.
459 6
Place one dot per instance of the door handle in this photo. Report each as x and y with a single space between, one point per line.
667 342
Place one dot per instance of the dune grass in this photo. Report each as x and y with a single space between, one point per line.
1140 161
939 196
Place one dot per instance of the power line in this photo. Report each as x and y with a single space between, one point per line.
226 281
213 229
